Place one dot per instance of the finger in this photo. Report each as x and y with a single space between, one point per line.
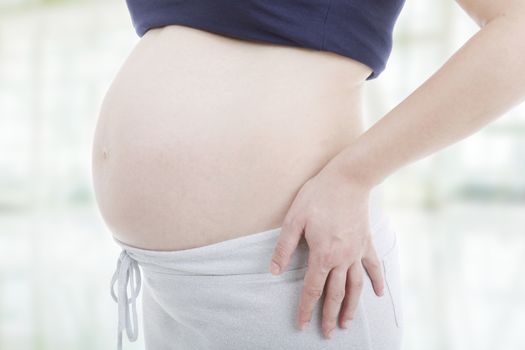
287 242
373 268
354 285
335 293
314 281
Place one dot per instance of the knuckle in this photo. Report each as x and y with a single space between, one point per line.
336 242
318 262
281 250
312 292
352 251
356 282
303 311
372 263
329 325
304 315
336 296
326 259
329 321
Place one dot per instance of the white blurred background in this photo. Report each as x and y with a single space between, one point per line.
459 213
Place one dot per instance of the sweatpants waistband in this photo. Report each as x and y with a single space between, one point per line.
248 254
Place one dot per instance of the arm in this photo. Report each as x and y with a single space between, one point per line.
478 83
482 80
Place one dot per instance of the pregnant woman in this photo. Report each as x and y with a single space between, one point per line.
231 164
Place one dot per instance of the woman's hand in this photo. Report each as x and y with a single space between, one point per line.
333 214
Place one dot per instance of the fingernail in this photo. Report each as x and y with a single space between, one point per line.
346 323
329 334
381 292
274 268
303 325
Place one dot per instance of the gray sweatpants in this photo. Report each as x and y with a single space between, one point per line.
222 297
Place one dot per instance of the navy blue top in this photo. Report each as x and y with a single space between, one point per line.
359 29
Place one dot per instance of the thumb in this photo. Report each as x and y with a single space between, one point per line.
287 242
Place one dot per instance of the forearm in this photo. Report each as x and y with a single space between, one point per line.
481 81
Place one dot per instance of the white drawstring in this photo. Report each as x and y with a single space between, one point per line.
127 272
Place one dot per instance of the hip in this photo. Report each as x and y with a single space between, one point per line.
223 296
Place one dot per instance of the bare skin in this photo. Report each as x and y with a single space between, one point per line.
203 138
482 80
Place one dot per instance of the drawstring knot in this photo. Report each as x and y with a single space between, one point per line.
127 272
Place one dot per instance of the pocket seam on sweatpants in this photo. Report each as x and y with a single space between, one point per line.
387 270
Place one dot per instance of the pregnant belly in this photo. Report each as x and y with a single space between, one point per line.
203 138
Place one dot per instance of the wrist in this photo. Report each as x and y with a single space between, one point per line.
347 166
